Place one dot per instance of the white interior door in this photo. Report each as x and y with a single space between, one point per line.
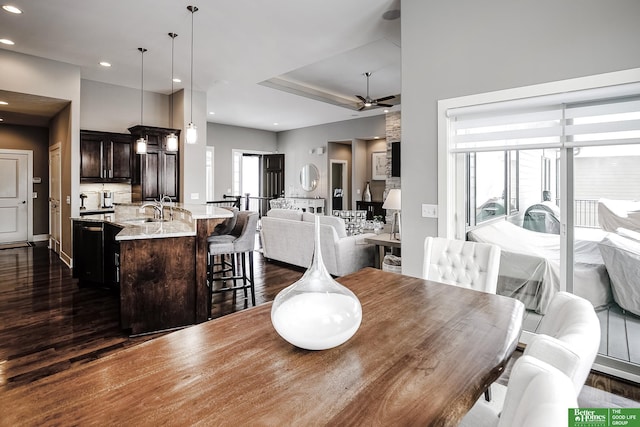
54 198
13 197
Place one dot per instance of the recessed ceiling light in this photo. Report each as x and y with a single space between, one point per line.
275 123
11 9
177 80
105 64
212 112
6 41
376 137
4 103
386 111
1 119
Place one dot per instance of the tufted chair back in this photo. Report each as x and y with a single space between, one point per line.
537 395
573 322
457 262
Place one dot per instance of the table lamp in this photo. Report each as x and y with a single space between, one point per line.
393 201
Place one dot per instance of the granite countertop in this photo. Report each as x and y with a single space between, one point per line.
139 224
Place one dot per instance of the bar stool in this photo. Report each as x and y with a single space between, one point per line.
238 243
222 233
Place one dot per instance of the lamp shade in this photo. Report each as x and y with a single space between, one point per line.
192 133
172 142
141 145
393 200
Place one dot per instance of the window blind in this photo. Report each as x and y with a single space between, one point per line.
615 122
536 125
541 127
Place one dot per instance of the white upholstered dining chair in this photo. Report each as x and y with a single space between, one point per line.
572 322
456 262
538 395
470 265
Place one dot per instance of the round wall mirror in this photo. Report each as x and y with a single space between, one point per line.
309 176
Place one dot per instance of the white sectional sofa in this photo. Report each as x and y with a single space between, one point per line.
287 236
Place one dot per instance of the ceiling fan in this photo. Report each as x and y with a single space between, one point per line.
368 102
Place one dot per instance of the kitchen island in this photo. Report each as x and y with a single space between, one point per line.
162 262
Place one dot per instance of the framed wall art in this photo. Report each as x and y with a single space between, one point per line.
379 165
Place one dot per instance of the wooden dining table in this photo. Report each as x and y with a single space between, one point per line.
424 353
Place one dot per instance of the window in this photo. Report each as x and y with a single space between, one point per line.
209 173
508 147
487 185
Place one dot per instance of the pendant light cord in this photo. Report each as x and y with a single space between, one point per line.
193 10
142 51
173 40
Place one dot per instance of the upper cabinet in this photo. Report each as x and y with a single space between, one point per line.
157 172
105 157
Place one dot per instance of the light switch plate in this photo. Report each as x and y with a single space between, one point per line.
429 211
195 196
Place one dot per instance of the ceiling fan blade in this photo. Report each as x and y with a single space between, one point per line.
361 98
384 105
386 98
361 108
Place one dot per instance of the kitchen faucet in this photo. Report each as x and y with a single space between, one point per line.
158 207
162 198
158 212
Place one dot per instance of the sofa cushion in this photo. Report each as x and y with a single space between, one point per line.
292 214
335 222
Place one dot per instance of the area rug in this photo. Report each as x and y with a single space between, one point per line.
15 245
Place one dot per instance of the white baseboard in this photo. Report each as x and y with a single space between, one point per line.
40 237
66 259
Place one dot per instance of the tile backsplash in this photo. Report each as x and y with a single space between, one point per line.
121 194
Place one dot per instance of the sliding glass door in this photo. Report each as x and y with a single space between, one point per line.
554 180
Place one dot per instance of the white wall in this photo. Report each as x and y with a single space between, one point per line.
295 144
193 157
224 139
463 47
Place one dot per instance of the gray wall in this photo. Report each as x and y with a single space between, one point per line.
35 139
463 47
52 79
378 186
295 144
224 138
112 108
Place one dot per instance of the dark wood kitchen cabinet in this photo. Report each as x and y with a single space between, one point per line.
157 172
105 157
96 253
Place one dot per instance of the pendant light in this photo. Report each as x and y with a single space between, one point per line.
141 143
192 133
172 139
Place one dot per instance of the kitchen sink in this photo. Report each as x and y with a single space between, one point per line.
138 221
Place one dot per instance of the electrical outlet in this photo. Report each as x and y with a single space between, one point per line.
195 196
429 211
35 194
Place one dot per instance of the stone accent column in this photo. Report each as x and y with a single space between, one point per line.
393 133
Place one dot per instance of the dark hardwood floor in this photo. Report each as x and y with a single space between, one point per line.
49 324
